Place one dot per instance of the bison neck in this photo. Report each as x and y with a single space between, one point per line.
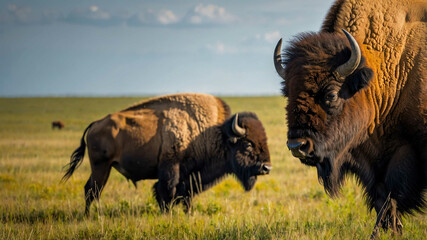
393 43
363 146
206 159
350 130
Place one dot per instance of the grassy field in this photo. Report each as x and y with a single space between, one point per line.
287 204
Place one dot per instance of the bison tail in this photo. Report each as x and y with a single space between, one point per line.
77 157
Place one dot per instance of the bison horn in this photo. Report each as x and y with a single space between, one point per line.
278 59
239 131
348 68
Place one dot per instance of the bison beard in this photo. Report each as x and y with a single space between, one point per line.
246 175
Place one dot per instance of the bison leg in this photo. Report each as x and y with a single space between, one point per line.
187 189
381 215
95 185
388 217
165 188
395 218
184 196
404 179
89 195
187 201
402 182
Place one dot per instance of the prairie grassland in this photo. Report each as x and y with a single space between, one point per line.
287 204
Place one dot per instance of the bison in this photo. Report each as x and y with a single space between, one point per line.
57 124
186 141
357 103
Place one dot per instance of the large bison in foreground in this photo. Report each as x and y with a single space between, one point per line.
360 106
186 141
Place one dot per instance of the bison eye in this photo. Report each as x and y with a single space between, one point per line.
332 97
331 102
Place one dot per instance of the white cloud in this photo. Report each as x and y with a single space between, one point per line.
262 39
199 15
167 17
96 15
94 8
208 14
221 48
93 15
283 21
150 17
272 37
24 15
16 14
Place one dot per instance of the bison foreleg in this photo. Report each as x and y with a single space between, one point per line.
184 196
188 188
165 188
381 215
388 217
188 200
395 218
163 197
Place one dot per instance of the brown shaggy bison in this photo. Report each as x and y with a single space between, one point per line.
186 141
357 102
57 124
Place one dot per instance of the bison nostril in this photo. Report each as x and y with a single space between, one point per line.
305 147
294 145
301 148
267 168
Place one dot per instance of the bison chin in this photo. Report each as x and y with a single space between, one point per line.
249 182
246 176
330 179
312 161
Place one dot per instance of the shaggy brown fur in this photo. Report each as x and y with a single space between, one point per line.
183 140
376 126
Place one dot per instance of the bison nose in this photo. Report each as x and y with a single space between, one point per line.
266 169
301 148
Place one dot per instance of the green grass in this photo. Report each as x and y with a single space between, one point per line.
287 204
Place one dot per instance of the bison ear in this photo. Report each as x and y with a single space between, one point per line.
358 80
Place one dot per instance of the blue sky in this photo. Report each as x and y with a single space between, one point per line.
150 47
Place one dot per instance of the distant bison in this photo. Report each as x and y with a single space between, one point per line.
57 124
357 102
186 141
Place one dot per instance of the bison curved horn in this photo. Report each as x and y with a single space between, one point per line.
239 131
348 67
278 59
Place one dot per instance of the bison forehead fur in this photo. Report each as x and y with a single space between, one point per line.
371 122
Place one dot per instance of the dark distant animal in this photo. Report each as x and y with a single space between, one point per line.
360 106
57 124
186 141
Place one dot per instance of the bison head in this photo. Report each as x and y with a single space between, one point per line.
248 153
324 75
